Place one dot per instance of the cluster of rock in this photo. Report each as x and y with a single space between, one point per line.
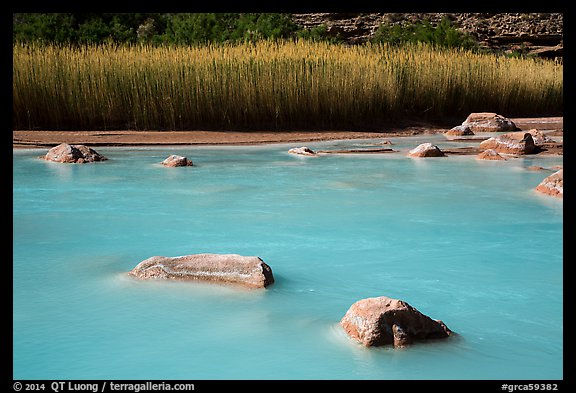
371 322
515 143
509 141
81 154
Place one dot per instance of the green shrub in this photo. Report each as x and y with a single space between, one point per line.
444 35
227 27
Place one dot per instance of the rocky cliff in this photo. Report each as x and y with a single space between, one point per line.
531 33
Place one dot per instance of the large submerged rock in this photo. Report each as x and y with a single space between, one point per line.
384 321
248 271
426 150
75 154
488 122
511 143
553 185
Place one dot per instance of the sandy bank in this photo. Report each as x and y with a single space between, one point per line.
41 139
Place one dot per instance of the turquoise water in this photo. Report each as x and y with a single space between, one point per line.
465 241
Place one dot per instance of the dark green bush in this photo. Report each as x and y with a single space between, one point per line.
178 28
443 35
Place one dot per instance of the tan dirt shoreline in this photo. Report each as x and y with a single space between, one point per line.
46 139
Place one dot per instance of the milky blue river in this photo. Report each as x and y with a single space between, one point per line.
466 241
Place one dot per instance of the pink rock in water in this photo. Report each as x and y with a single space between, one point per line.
174 160
304 151
384 321
510 143
490 154
75 154
426 150
489 122
248 271
459 131
553 185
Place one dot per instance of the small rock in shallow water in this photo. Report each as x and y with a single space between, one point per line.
426 150
490 154
304 151
174 161
459 131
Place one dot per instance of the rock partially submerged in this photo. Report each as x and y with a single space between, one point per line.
175 160
553 185
73 154
249 271
303 151
426 150
510 143
460 130
536 168
490 154
384 321
489 122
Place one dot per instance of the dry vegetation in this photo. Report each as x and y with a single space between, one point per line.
270 85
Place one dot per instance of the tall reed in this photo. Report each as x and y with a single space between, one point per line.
270 85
